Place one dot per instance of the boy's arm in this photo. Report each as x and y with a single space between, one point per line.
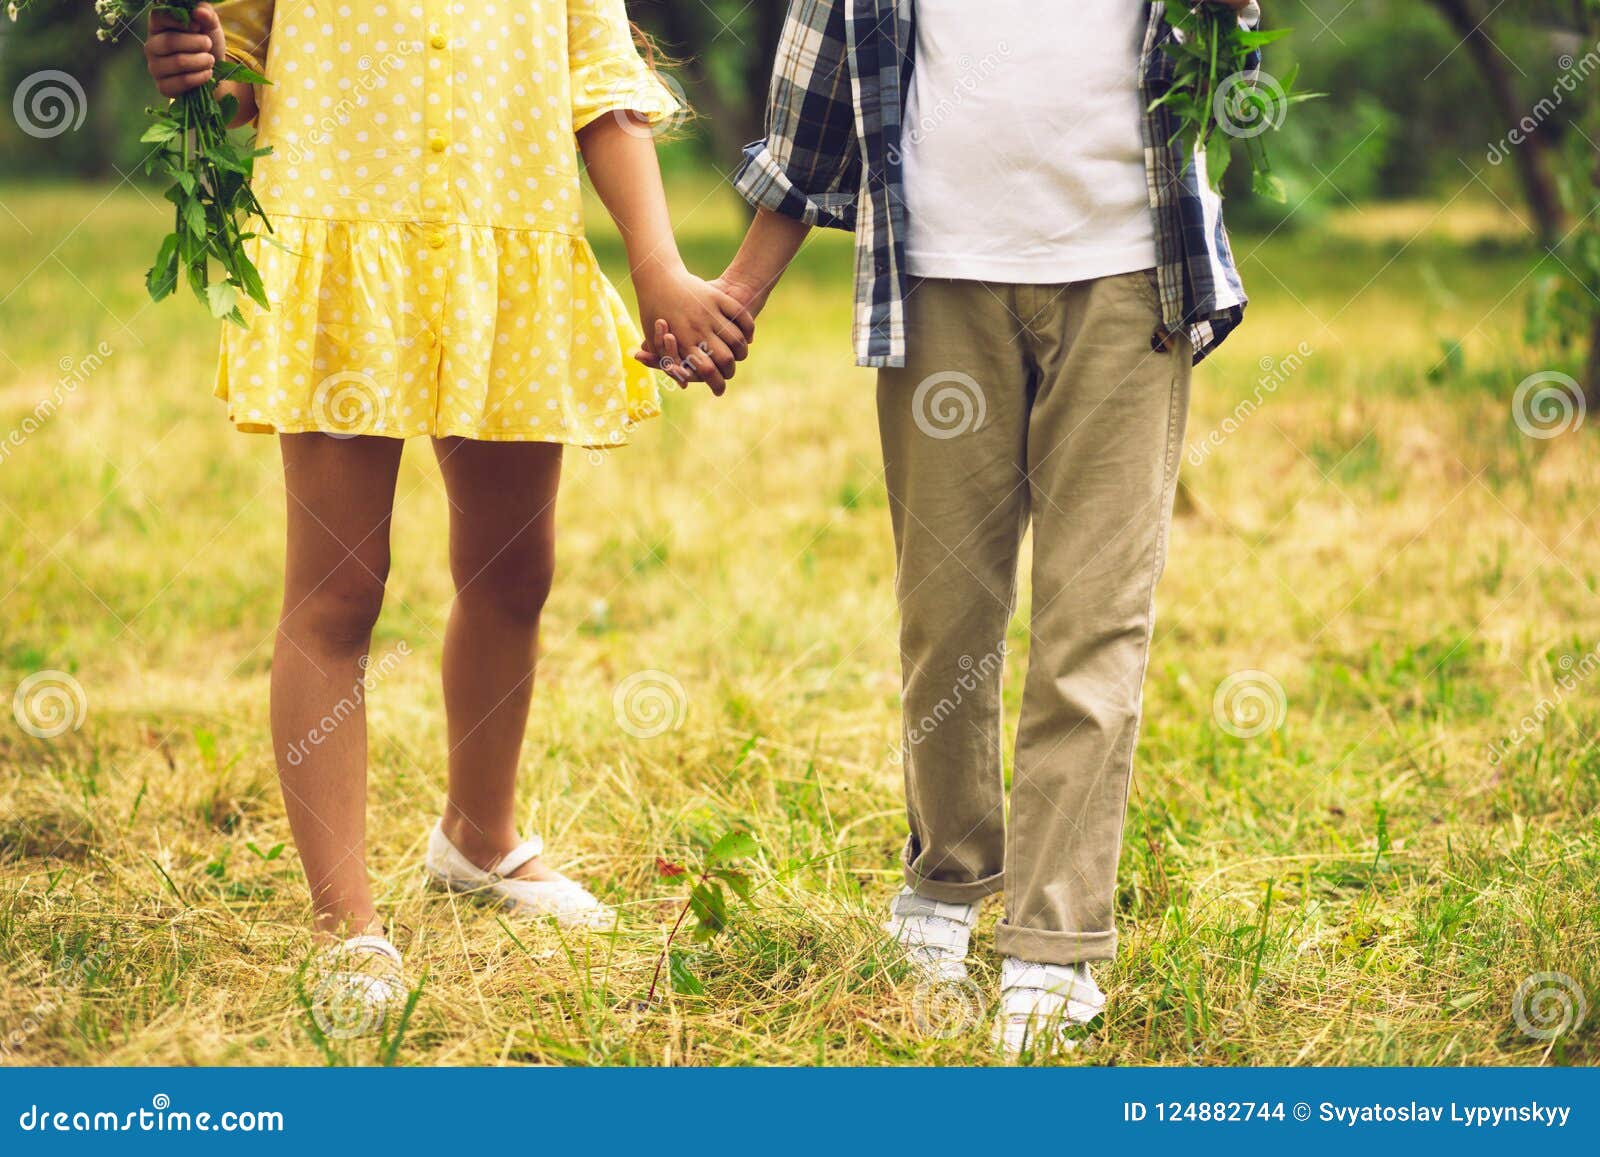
808 167
769 246
713 329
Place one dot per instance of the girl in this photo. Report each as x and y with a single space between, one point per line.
432 278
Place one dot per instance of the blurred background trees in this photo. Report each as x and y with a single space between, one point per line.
1422 103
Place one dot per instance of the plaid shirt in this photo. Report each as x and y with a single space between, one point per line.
832 158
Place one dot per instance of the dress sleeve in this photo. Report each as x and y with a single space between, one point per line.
608 74
247 24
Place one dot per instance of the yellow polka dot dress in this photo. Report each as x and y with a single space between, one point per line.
428 272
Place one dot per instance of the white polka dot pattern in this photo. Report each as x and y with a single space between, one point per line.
433 277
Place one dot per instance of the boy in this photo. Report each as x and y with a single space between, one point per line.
1037 269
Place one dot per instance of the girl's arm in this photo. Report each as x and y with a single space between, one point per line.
711 327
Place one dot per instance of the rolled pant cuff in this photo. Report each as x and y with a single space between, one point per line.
955 893
1053 947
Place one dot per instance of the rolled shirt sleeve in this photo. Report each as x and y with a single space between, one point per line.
809 165
608 74
247 25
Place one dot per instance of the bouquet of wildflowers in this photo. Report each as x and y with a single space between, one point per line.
209 166
1220 95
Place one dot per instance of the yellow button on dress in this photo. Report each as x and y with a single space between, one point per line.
431 274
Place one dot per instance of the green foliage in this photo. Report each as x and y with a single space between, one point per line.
707 901
1215 99
209 166
1562 313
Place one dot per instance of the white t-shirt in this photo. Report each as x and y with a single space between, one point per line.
1023 157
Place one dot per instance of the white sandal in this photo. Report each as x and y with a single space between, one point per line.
563 899
358 983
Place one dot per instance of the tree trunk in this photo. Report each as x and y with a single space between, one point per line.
1532 157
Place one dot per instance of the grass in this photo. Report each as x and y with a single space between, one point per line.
1360 885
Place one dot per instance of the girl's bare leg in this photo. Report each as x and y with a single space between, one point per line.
340 494
502 557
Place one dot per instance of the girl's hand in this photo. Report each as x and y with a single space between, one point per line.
710 329
181 57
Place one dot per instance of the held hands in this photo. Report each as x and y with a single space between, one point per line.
700 329
677 353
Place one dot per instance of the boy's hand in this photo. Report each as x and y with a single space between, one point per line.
711 330
181 57
662 352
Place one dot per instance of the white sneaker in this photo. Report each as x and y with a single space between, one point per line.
934 933
562 899
359 982
1042 1004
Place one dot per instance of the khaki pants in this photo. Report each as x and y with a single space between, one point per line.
1018 403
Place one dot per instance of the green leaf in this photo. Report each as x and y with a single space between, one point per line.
733 846
245 273
1253 38
162 277
710 908
159 133
684 982
223 299
1219 152
1269 186
194 216
241 73
738 881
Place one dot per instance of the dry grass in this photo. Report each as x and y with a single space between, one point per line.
1361 885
